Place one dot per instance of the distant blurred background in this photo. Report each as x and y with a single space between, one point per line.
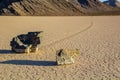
107 0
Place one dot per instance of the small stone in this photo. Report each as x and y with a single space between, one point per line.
66 56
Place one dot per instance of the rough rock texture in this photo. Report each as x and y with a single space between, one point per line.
26 42
66 56
51 7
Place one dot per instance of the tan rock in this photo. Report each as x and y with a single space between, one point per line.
66 56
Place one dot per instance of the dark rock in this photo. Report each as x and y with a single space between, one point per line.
26 42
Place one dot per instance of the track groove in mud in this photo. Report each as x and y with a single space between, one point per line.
99 46
68 37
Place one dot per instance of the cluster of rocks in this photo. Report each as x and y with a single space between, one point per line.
26 43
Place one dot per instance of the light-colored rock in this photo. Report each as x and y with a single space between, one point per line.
66 56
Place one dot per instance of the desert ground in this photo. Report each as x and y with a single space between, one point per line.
97 38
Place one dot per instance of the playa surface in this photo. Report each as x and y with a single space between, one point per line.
97 38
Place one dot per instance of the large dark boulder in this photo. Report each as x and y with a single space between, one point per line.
26 43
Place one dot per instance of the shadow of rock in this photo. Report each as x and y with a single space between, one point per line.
6 52
30 62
